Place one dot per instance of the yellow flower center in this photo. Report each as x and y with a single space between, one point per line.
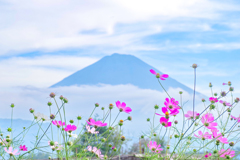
166 113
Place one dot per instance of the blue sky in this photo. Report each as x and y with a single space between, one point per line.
43 42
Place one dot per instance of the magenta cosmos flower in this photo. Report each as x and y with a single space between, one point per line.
219 136
224 83
158 75
206 135
164 122
23 148
154 147
225 153
122 107
11 152
190 115
69 128
171 104
58 123
225 103
91 122
236 118
208 155
166 112
207 121
213 100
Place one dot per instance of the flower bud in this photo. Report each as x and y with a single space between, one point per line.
8 140
51 143
79 118
203 100
176 136
96 105
142 136
180 92
52 95
65 100
156 106
49 104
176 122
215 151
110 106
148 119
231 144
237 100
168 146
194 150
215 94
157 75
49 157
9 129
229 83
115 149
110 145
71 121
229 109
110 128
231 89
7 136
61 97
123 138
52 116
210 84
102 108
154 134
196 124
203 138
120 123
69 143
223 93
189 138
31 110
103 139
24 127
12 105
194 66
105 157
129 118
212 106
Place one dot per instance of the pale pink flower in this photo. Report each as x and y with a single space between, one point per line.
208 155
225 103
154 147
70 128
11 152
91 130
58 123
165 111
92 149
206 135
190 115
213 100
98 154
224 84
171 104
207 121
23 148
236 118
122 107
223 153
56 146
91 122
164 122
161 76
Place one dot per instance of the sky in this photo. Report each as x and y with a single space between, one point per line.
43 42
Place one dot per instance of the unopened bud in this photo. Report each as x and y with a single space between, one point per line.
79 117
52 95
194 66
156 106
49 104
96 105
231 144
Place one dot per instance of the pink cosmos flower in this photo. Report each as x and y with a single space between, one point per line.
95 151
190 115
225 103
224 83
23 148
224 153
236 118
207 121
208 155
91 130
164 122
58 123
122 107
98 154
158 75
171 104
97 124
11 152
220 137
165 111
154 147
213 100
70 128
206 135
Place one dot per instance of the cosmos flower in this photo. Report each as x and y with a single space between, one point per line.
190 115
236 118
164 122
91 130
92 122
206 135
224 153
69 128
23 148
225 103
11 152
207 121
154 147
58 123
161 76
122 107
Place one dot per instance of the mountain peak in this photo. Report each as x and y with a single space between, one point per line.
119 69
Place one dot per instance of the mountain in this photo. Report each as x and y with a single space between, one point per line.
120 69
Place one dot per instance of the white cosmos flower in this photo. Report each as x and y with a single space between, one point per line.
41 116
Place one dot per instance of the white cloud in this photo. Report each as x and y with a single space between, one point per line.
41 71
44 25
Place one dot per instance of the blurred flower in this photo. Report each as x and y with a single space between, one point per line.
122 107
158 75
23 148
236 118
206 135
207 121
190 115
154 147
69 128
41 116
92 122
11 152
165 122
91 130
58 123
225 103
213 100
224 153
208 155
